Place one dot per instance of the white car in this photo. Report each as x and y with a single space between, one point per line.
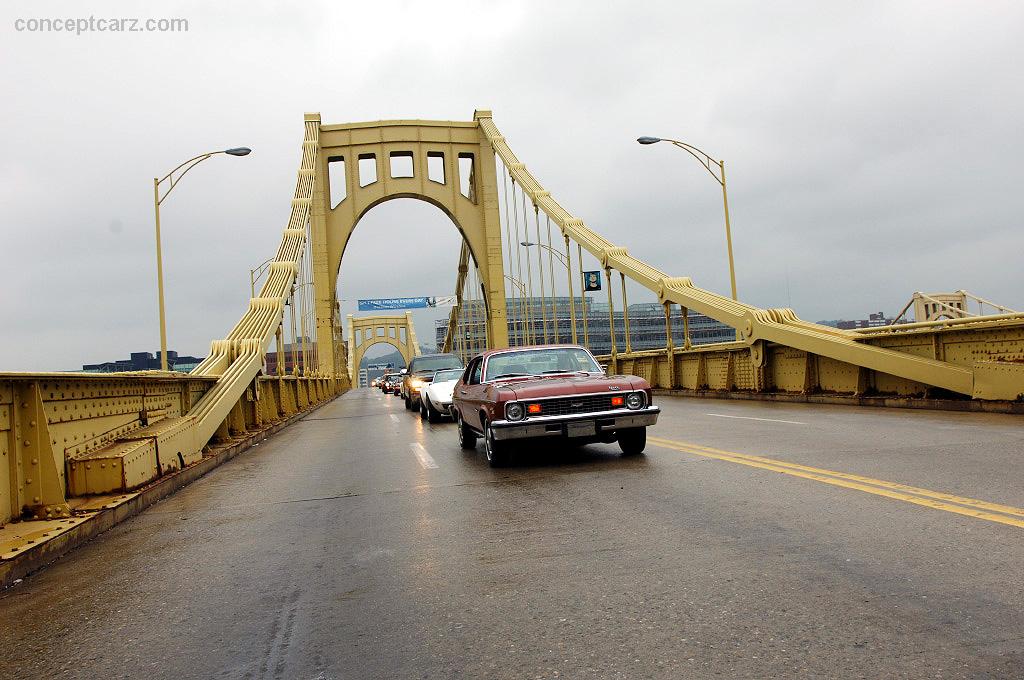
437 396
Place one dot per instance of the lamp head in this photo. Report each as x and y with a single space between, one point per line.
649 140
526 244
238 151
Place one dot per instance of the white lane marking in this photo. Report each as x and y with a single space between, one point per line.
422 456
767 420
394 417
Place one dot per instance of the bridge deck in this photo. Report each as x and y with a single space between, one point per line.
361 542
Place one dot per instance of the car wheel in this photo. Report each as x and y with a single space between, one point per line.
408 403
433 415
633 441
497 452
467 438
423 409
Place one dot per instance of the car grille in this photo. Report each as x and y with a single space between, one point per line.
563 406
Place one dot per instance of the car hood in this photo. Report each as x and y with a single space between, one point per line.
554 386
441 391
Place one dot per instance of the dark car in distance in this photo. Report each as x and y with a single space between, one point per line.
391 383
421 372
549 391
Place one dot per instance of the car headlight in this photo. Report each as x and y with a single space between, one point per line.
514 411
416 384
635 400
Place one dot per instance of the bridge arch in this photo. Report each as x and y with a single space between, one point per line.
449 164
366 331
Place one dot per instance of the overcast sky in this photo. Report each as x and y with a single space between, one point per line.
872 148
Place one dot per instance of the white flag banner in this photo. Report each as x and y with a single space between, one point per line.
445 301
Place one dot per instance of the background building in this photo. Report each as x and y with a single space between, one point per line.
528 323
873 320
145 361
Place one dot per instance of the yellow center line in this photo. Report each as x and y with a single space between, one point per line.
896 486
909 494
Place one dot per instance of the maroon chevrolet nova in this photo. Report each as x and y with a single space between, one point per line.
545 391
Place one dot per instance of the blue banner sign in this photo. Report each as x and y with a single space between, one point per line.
592 280
397 303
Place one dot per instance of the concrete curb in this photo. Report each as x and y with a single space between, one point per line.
51 550
966 405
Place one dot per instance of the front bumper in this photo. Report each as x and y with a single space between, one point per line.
575 425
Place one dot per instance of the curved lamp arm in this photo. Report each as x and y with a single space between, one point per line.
191 163
560 256
702 157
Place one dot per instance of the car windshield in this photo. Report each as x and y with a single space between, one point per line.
544 361
450 374
435 363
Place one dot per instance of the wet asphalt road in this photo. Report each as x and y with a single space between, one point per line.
363 543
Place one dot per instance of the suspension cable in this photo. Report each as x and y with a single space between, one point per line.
509 283
551 270
583 297
572 299
540 271
524 317
529 273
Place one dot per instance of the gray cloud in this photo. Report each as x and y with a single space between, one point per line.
872 149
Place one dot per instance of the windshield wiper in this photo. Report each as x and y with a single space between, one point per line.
511 375
557 370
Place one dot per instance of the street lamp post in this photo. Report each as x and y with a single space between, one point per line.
157 200
708 162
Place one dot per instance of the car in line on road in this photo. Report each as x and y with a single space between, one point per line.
392 383
421 372
549 391
436 396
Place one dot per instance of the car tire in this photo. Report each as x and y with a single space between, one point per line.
408 403
497 452
423 409
633 441
433 415
467 438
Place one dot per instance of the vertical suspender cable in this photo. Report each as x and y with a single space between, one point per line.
611 314
551 270
525 337
572 298
540 270
295 359
508 242
583 297
625 312
529 273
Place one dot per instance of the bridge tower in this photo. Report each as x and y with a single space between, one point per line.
449 164
366 331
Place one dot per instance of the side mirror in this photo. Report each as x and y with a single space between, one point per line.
404 371
604 367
